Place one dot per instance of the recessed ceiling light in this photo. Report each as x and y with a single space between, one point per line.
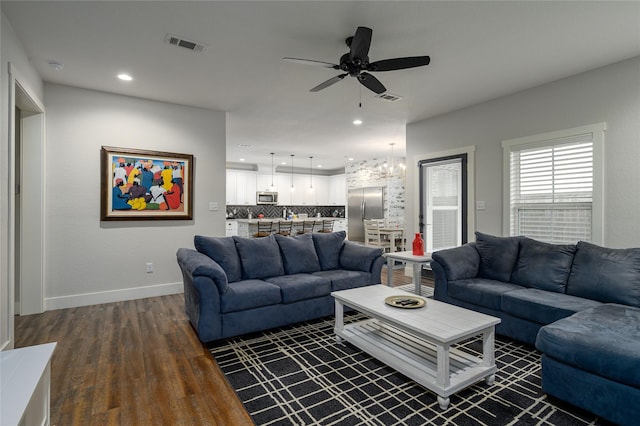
245 145
56 65
357 122
350 158
125 77
283 163
319 166
242 159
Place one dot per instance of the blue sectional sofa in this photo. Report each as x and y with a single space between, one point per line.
234 285
579 304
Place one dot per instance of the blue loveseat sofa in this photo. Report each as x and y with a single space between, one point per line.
579 304
234 285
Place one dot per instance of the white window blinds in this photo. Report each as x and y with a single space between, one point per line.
551 189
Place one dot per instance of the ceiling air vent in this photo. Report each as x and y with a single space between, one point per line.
389 97
194 46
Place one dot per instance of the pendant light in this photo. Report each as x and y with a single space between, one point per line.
292 188
311 173
272 187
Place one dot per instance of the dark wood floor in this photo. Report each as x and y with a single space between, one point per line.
136 362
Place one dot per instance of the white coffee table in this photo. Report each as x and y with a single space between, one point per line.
417 342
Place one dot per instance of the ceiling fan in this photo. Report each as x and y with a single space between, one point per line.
355 63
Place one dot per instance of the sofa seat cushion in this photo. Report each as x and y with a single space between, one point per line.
342 279
328 247
542 265
249 294
606 274
602 340
301 286
497 256
260 257
223 251
543 307
481 291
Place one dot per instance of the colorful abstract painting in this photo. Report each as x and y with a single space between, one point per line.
145 185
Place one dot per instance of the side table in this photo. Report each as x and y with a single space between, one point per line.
407 257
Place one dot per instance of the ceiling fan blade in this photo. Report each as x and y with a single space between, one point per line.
312 62
371 83
360 43
328 83
399 63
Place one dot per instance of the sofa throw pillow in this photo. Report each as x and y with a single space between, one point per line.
605 274
497 256
298 254
328 246
358 258
260 257
223 251
543 266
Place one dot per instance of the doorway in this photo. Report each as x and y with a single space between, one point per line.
28 205
443 202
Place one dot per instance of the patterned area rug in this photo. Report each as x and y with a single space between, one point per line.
299 375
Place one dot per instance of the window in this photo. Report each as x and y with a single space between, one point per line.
553 188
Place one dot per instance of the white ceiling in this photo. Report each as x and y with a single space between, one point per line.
479 51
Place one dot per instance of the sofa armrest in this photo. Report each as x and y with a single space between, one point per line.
360 258
459 263
196 264
453 264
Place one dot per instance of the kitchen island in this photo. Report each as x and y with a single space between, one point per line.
248 227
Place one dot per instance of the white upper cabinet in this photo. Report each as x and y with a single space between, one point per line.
241 187
327 190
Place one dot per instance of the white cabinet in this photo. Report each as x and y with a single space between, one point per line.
25 376
321 185
337 190
241 187
263 182
231 228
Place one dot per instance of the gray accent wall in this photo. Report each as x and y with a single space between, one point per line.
610 94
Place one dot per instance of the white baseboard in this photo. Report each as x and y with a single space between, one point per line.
85 299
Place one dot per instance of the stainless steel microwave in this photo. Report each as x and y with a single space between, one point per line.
266 197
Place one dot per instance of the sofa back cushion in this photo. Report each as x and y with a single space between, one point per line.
223 251
328 247
606 274
497 256
543 266
260 257
298 254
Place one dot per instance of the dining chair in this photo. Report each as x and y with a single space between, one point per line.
264 229
284 227
372 236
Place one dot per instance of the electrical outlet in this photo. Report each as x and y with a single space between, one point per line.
213 206
480 205
149 267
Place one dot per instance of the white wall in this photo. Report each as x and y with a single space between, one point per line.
88 261
610 94
11 51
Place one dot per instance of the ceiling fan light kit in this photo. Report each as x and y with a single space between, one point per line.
355 63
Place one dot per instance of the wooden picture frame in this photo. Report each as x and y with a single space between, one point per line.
138 184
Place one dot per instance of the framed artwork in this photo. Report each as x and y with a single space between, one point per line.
137 184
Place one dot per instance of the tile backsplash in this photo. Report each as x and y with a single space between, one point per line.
242 212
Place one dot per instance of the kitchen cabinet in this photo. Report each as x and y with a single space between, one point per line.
263 182
241 187
231 228
337 190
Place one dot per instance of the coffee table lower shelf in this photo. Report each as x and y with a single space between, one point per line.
440 368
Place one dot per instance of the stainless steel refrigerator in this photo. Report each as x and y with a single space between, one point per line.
363 203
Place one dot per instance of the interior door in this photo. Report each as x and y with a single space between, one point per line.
443 209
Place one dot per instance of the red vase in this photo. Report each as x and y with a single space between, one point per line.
418 245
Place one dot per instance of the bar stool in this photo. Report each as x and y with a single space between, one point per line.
284 227
327 226
307 227
264 229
